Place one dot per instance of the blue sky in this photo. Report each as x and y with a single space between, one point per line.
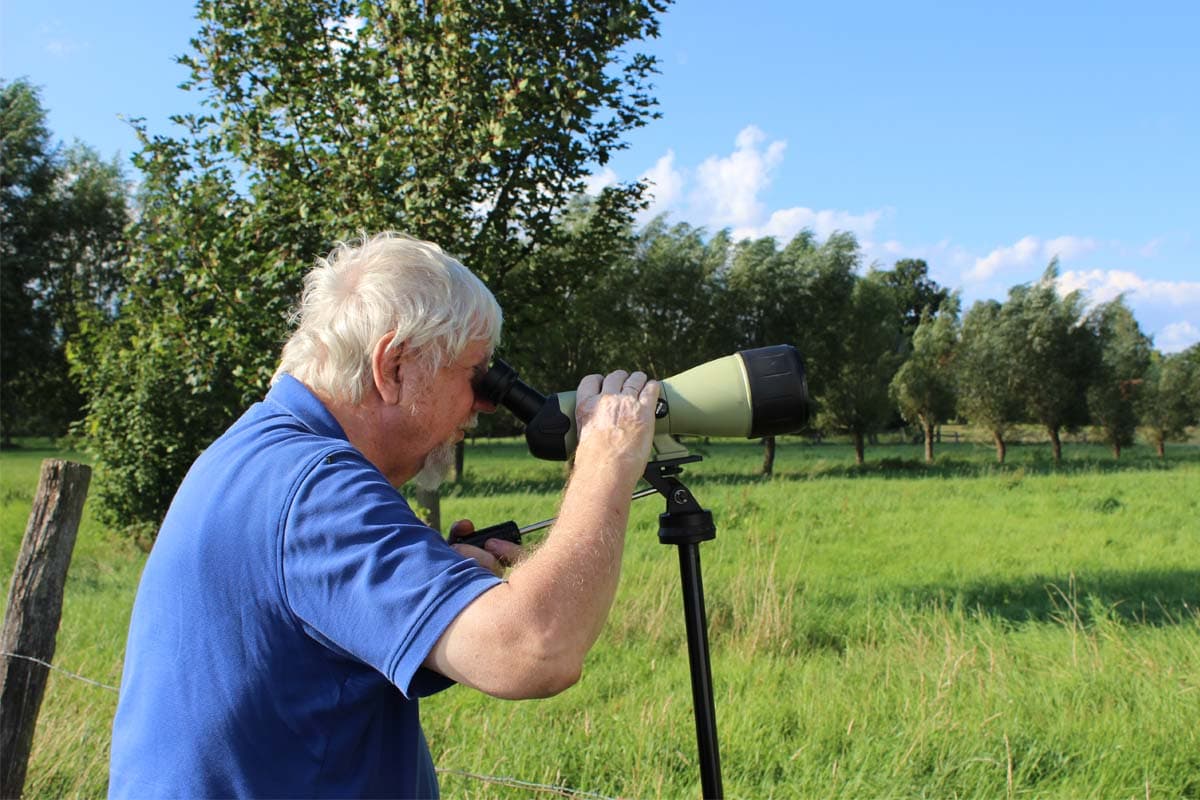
984 138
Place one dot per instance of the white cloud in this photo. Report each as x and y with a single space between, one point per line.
1017 255
1103 285
597 181
1028 251
726 192
727 188
1157 304
1150 248
61 47
1067 248
666 186
786 223
1177 336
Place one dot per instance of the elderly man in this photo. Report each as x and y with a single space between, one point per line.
294 609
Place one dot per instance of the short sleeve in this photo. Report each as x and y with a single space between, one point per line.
366 577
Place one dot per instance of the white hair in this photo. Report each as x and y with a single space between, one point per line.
369 287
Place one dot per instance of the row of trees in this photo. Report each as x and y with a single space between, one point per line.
472 125
878 346
1040 357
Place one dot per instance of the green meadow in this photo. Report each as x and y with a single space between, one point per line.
958 630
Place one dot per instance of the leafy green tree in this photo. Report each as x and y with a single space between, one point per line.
468 124
1124 357
1057 355
800 295
568 304
821 302
27 176
855 395
1166 400
985 377
1191 357
473 125
916 293
674 297
762 290
63 212
923 387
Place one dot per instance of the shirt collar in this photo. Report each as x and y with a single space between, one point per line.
299 401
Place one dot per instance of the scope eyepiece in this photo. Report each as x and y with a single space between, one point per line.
501 386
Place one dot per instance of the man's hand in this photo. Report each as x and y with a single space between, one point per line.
615 415
496 555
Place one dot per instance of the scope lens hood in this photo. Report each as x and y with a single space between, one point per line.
778 390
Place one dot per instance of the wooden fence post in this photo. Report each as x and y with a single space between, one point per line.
35 599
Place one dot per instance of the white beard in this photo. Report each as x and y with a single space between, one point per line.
436 467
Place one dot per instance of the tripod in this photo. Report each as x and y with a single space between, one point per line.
685 524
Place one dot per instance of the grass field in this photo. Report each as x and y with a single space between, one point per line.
896 630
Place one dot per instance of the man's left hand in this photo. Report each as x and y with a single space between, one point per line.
496 555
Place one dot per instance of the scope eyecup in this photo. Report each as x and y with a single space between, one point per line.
500 386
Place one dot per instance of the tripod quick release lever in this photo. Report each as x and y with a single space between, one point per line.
510 532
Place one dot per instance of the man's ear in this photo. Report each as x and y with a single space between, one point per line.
388 369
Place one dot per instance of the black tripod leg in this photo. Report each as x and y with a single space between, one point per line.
698 659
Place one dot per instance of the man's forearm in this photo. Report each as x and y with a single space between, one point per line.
570 581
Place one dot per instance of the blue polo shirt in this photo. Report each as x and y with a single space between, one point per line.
277 637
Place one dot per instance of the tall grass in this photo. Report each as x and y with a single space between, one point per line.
70 746
898 630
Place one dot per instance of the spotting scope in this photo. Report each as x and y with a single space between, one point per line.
752 393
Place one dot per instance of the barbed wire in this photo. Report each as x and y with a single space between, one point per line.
514 783
68 673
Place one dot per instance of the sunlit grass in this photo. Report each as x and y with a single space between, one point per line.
964 629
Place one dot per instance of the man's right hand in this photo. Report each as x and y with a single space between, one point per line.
615 417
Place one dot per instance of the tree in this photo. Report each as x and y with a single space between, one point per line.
468 124
63 213
1056 358
800 295
821 302
915 292
674 295
762 293
1124 357
855 395
569 302
923 387
1166 400
985 378
27 175
473 125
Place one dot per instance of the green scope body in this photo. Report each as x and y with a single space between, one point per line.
751 393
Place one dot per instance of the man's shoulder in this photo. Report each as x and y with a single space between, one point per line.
253 470
274 431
